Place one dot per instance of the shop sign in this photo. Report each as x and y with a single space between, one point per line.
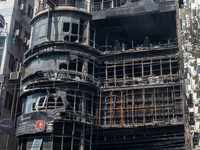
6 126
40 126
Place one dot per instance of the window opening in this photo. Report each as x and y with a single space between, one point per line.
74 28
66 27
63 66
59 102
37 144
51 103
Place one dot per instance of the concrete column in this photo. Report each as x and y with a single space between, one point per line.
86 32
85 65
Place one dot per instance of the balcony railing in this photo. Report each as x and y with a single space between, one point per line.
108 4
70 3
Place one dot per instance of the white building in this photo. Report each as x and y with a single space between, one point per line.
13 43
192 70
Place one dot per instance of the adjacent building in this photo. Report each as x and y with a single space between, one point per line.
191 65
14 35
104 75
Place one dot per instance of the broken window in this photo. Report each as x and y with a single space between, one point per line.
74 38
165 67
74 28
66 26
63 65
51 103
119 71
90 67
156 67
37 143
128 70
80 63
59 102
8 101
13 63
44 103
137 69
146 65
111 72
72 64
175 67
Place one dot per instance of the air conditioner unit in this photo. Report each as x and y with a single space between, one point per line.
14 76
18 34
23 9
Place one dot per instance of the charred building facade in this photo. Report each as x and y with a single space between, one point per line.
103 75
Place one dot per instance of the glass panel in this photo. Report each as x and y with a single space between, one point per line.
37 144
42 31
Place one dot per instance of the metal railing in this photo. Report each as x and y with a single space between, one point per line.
69 3
107 4
127 45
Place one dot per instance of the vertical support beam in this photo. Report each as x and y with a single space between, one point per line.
151 72
102 3
154 91
127 94
93 70
86 32
168 104
83 107
112 5
63 132
133 69
48 31
68 68
106 42
106 71
115 76
122 120
144 110
77 64
170 67
75 101
82 137
85 67
132 106
111 108
124 72
90 137
94 38
92 101
72 141
100 109
173 95
160 67
142 68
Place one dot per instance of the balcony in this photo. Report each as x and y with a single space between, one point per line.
111 8
69 3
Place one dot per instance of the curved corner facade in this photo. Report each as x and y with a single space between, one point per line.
60 85
118 88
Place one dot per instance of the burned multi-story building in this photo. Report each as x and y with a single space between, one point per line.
104 75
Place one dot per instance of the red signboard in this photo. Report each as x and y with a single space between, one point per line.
40 126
